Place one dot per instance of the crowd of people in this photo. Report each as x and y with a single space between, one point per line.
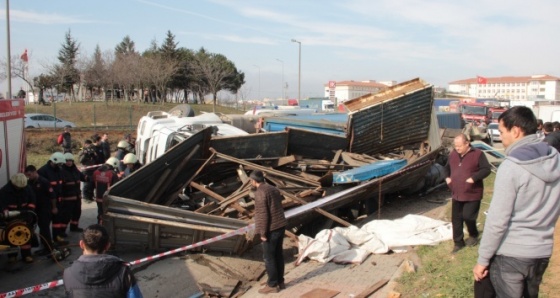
54 191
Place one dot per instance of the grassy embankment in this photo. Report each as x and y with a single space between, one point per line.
114 118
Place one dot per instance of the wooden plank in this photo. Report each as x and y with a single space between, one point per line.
172 198
320 293
219 197
284 160
376 286
207 208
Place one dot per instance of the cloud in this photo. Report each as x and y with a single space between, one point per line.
42 18
234 38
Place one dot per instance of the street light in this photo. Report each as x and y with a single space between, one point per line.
259 80
9 66
282 77
299 71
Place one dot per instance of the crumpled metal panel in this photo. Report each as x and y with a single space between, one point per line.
399 116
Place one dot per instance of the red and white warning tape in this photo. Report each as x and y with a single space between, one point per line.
54 284
90 167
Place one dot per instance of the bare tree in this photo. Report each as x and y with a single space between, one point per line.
160 72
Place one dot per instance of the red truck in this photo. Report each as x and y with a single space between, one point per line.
495 113
475 112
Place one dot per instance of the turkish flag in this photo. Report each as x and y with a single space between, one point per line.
481 80
24 56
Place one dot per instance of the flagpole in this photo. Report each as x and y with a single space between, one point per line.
9 75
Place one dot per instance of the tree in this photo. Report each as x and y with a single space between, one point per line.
66 72
216 73
19 69
125 47
168 48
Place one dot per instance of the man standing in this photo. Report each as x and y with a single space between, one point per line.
66 140
53 173
71 205
45 206
518 235
96 274
466 168
270 223
105 145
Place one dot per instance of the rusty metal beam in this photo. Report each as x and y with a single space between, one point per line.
265 169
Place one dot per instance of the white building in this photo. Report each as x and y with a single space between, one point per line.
535 87
346 90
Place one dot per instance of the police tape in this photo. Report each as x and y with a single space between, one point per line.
54 284
289 214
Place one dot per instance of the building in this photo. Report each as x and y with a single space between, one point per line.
535 88
345 90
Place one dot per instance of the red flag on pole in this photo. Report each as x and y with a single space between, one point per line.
24 56
481 80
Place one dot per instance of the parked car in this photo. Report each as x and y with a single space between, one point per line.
34 120
494 132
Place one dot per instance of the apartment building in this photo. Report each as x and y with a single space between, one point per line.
534 88
345 90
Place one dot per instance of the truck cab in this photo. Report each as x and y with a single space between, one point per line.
475 112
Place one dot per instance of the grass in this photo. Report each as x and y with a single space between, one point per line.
441 274
115 114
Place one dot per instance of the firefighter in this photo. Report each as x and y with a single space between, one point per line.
88 157
45 207
131 163
103 179
53 173
71 208
16 195
123 148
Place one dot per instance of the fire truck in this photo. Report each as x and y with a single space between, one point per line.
475 112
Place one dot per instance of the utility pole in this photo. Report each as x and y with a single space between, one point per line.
9 70
259 80
299 71
283 97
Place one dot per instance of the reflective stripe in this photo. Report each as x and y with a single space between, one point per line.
70 198
54 183
26 246
99 200
31 206
74 222
59 225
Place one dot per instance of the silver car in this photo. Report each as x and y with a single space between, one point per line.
494 132
34 120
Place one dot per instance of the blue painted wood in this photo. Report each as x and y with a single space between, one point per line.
367 172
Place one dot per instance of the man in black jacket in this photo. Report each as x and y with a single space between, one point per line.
270 223
96 274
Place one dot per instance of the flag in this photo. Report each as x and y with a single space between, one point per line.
481 80
24 56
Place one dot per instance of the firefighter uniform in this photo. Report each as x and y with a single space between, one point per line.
45 201
103 179
16 195
71 203
53 173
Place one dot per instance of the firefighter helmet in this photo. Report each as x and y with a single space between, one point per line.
130 158
19 180
57 157
69 156
112 161
123 144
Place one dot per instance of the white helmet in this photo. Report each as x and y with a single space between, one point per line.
123 144
112 161
130 158
19 180
69 156
57 157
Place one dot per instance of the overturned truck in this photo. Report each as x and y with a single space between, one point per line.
199 188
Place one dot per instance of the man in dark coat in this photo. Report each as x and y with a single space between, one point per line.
270 224
466 168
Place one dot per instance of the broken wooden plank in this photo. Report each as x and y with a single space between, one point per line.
264 169
376 286
172 198
318 210
218 197
320 293
207 208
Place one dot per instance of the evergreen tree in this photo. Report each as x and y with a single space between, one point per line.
125 47
66 72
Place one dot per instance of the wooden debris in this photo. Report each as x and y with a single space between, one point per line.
320 293
376 286
394 294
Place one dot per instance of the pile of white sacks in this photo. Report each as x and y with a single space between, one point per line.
353 244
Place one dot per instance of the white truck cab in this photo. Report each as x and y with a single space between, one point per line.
159 131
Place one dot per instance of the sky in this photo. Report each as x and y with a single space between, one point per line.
439 41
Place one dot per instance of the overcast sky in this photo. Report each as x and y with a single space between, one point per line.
439 41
